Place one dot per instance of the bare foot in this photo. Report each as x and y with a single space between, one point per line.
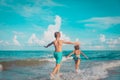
78 71
60 74
52 76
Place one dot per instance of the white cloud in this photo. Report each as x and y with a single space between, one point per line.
51 3
18 33
27 11
93 30
103 44
102 38
15 41
102 22
92 46
112 43
37 27
7 43
31 7
33 39
83 43
1 41
64 37
4 43
100 47
48 35
77 39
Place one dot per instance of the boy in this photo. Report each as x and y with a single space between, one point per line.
58 51
76 57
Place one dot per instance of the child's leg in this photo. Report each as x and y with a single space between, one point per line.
58 57
58 61
77 63
56 69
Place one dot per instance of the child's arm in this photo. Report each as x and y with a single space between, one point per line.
70 54
69 42
48 45
84 55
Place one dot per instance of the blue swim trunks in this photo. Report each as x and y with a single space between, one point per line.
76 57
58 57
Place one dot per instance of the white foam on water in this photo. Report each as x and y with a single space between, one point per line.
50 59
93 73
1 67
53 59
65 59
56 77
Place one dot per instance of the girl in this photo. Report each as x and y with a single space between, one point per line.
76 57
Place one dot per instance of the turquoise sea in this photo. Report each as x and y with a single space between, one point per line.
36 65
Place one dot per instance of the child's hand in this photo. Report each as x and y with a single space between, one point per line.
77 43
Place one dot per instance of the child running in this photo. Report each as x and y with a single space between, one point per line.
76 57
58 51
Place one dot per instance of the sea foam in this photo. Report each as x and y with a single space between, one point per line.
1 67
92 73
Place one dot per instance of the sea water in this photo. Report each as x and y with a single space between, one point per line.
36 65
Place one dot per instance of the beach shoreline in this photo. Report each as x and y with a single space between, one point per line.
38 66
67 69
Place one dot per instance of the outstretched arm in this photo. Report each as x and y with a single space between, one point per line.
70 54
68 42
84 55
48 45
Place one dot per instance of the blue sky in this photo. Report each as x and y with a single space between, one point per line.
30 24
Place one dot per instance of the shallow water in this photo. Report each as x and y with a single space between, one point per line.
103 65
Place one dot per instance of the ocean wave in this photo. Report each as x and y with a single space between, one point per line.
93 73
22 55
6 65
53 59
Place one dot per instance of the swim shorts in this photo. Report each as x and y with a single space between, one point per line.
76 57
58 57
